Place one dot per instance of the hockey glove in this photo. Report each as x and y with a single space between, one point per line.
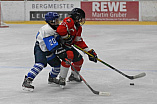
67 41
61 53
94 54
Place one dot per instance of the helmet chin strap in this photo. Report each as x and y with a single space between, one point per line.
77 25
53 26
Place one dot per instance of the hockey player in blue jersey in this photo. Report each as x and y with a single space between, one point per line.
44 49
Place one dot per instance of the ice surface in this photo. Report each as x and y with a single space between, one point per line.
130 48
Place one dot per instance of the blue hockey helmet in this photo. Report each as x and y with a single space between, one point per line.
51 17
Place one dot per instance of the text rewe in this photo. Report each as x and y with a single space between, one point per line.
109 6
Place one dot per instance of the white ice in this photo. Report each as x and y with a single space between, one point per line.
131 49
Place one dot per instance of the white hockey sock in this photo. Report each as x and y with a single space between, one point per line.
64 71
75 74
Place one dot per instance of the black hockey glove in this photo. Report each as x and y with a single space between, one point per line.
67 41
94 54
61 53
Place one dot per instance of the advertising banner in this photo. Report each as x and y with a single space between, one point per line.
36 10
111 10
40 15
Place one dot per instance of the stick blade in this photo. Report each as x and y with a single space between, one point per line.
104 94
101 93
139 75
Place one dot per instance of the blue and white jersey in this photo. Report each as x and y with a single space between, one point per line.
46 37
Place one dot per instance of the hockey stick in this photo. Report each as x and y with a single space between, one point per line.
95 92
128 76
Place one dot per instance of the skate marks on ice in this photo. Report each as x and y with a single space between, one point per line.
131 48
121 91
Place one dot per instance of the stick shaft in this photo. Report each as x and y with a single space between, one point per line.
130 77
95 92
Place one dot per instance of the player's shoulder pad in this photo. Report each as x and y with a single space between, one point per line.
47 30
68 20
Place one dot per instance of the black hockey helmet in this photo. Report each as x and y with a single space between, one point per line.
78 14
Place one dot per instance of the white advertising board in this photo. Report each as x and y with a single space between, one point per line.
36 10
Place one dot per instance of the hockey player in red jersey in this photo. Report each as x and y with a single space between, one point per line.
70 30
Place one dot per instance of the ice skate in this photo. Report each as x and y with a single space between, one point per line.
62 82
27 84
52 80
72 78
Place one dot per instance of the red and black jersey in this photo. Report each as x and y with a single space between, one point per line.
67 27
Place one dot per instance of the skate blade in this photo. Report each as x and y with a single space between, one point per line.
53 83
74 81
62 86
27 89
50 82
68 81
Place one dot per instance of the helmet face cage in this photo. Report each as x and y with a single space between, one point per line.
55 22
82 21
52 17
78 15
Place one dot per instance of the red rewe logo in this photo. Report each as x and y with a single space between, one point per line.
111 10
